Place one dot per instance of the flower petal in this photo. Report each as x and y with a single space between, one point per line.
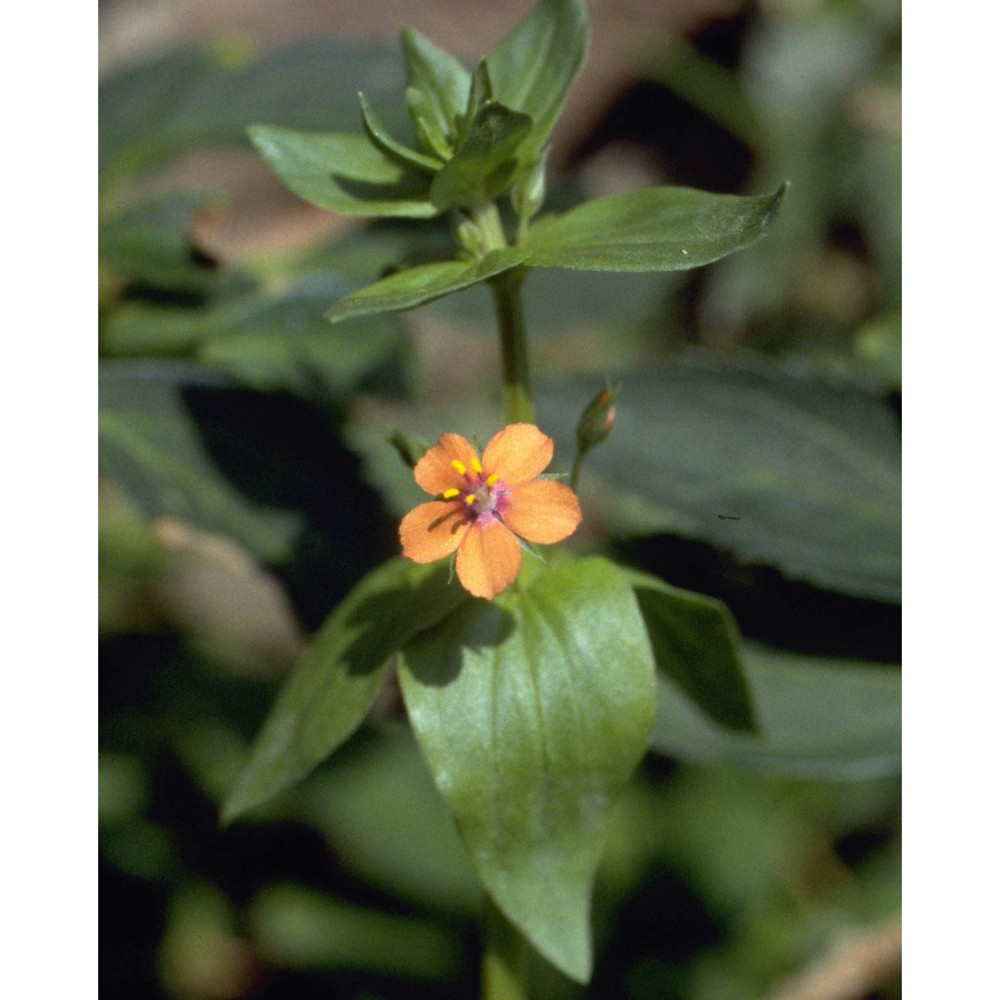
489 559
433 530
518 453
435 473
543 511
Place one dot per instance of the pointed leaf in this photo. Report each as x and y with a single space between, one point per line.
804 464
534 65
443 83
149 243
333 686
696 644
485 164
153 446
417 285
532 711
343 173
655 229
408 159
819 718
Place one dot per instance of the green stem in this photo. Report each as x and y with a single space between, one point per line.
506 289
505 961
574 478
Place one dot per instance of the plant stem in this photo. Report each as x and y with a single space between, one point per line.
506 289
574 479
505 962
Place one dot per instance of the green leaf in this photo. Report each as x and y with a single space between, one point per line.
534 65
485 164
696 644
343 173
417 285
333 686
408 159
532 711
181 100
818 718
803 466
149 243
266 342
656 229
152 446
442 84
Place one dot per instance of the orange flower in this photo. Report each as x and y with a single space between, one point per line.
482 506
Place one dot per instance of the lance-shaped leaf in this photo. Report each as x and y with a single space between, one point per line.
486 162
333 686
408 159
532 711
804 465
439 88
534 65
696 644
417 285
656 229
818 717
343 173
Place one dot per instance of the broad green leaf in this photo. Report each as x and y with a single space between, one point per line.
443 85
818 717
532 711
148 243
417 285
803 467
331 689
655 229
278 342
408 159
205 98
696 644
343 173
485 164
151 445
534 65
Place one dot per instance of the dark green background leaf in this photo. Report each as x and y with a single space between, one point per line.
280 342
819 717
185 99
149 243
151 444
809 463
533 710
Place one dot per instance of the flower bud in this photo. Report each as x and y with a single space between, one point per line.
528 194
597 419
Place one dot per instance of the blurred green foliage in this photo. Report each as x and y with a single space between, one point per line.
248 483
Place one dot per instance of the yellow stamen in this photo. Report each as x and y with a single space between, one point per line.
470 498
450 494
492 478
458 466
476 465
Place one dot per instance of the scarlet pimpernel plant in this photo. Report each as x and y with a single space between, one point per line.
529 683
